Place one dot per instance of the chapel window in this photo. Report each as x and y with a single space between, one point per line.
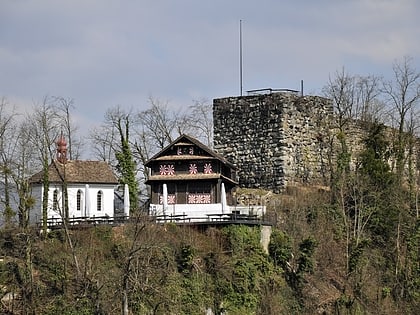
79 200
99 200
55 200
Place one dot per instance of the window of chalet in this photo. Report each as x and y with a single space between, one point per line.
199 193
99 200
55 200
79 197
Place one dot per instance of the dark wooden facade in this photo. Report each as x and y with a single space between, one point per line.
193 174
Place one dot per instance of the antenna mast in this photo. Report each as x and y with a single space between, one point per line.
240 54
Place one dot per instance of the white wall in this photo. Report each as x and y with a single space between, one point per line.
108 201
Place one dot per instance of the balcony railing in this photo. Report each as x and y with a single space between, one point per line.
207 219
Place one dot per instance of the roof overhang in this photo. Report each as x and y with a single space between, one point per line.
189 178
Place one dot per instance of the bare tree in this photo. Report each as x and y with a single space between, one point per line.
402 96
64 106
199 121
368 106
155 128
7 131
44 128
159 123
354 97
103 139
150 130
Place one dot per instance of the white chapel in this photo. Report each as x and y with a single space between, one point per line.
90 187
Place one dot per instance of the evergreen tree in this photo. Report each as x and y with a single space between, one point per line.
126 165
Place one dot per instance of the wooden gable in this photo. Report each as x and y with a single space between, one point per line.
188 159
191 171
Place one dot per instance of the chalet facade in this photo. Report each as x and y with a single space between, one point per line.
90 187
189 180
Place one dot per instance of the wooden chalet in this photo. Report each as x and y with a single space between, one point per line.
190 182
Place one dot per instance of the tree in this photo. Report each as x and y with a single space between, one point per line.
126 164
199 121
7 121
402 96
24 166
103 139
64 107
159 123
354 97
44 127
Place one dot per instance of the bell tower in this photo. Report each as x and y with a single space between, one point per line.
61 149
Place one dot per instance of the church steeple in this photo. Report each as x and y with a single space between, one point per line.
61 149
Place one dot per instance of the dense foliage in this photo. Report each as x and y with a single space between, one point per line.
311 266
172 271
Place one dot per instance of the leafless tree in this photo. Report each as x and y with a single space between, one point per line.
150 131
368 106
199 121
103 139
155 128
43 128
159 123
7 121
354 97
402 95
24 164
64 107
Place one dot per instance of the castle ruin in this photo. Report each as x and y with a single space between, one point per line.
278 139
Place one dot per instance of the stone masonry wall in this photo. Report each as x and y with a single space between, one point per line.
278 139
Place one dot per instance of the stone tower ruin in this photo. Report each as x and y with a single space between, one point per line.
274 139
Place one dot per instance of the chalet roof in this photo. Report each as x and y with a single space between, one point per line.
76 171
185 140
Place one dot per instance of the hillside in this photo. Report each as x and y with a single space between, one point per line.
312 267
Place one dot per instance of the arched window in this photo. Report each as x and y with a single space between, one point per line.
79 198
55 200
99 200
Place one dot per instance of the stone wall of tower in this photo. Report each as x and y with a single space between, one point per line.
277 139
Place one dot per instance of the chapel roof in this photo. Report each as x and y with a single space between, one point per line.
76 171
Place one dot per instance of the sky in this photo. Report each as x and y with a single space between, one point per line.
104 53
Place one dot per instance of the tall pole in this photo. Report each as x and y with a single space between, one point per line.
240 54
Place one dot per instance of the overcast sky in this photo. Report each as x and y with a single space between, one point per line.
104 53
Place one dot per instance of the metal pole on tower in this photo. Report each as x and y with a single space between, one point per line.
240 54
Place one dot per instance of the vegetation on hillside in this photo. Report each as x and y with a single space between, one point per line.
351 247
317 262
